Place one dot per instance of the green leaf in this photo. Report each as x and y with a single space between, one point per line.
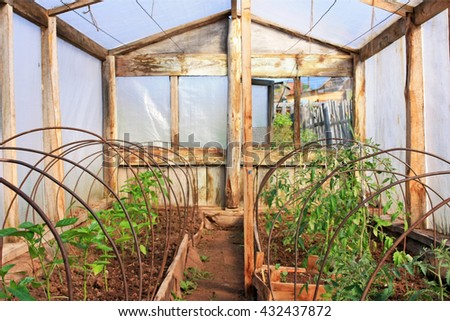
143 249
97 268
66 222
27 225
447 276
123 239
5 268
10 231
20 292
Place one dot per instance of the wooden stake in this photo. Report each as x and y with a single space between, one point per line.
234 115
360 98
8 111
55 207
249 255
110 169
175 111
297 116
415 132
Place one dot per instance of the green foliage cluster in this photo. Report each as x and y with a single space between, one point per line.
138 208
305 209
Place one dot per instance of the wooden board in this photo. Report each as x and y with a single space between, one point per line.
71 6
360 99
202 185
233 168
428 9
390 6
263 65
174 112
8 111
415 121
215 183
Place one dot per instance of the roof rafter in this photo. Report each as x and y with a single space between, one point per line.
391 6
71 6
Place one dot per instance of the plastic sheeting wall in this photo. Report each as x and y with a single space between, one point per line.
203 111
28 103
80 78
435 35
385 100
385 86
260 112
143 109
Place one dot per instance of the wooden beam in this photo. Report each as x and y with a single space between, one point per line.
110 169
415 121
167 34
297 120
359 114
71 6
285 65
296 34
390 6
31 11
387 37
175 112
263 65
428 9
79 40
249 248
8 111
233 169
51 117
234 9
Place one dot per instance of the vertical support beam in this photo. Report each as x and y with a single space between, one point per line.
359 114
51 116
175 112
8 111
249 264
297 116
415 132
110 159
234 9
233 169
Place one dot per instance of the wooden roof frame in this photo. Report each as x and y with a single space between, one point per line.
71 6
391 6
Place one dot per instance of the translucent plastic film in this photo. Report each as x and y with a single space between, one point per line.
260 113
203 111
28 104
143 109
81 106
435 35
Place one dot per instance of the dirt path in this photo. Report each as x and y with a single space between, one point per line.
224 253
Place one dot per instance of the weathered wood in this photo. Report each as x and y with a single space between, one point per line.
387 37
234 9
263 65
249 248
174 109
110 161
8 111
415 121
390 6
31 11
51 117
210 39
167 34
233 169
360 99
286 65
79 40
428 9
215 181
299 35
172 65
71 6
297 120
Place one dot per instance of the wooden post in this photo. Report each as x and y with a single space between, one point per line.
233 168
110 159
51 115
175 112
415 132
359 79
249 255
8 110
297 116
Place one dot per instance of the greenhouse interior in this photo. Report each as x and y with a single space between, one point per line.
224 150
